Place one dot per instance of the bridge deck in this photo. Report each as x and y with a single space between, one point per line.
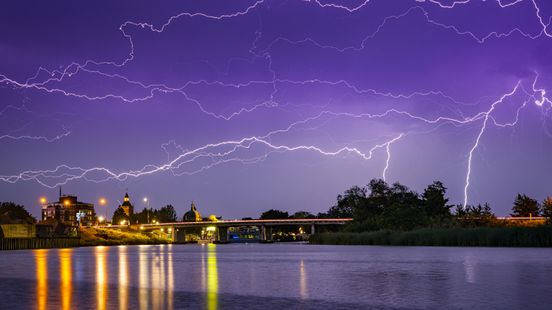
233 223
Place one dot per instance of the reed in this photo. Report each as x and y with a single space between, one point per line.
539 236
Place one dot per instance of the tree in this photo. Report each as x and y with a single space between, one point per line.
403 209
302 215
274 214
119 216
12 213
525 206
348 203
474 215
435 203
167 214
547 209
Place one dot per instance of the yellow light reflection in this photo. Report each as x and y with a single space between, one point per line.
41 259
101 277
303 290
156 283
65 277
123 278
170 278
212 277
143 277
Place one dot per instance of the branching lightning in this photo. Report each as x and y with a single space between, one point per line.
255 148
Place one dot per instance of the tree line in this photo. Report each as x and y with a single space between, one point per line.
383 206
166 214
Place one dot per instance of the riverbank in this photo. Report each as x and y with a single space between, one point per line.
91 236
540 236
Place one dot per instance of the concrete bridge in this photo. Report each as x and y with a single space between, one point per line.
178 229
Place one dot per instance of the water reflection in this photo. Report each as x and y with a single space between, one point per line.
170 278
41 261
66 288
101 277
123 278
212 277
303 292
143 276
469 268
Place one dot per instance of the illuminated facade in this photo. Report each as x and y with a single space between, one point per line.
69 211
192 215
127 207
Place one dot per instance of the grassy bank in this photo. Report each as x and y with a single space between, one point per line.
90 236
540 236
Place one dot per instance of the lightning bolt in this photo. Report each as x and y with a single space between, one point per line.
214 154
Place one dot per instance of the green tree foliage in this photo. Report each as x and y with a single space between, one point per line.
547 209
119 216
11 213
525 206
274 214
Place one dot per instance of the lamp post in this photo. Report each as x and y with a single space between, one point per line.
43 202
103 202
146 201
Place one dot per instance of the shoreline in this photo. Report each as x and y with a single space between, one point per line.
540 236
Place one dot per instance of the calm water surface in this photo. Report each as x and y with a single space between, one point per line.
276 276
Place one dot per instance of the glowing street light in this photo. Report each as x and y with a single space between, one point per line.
146 201
103 202
122 222
43 200
101 219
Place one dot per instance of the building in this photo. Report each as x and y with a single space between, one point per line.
127 207
192 215
69 211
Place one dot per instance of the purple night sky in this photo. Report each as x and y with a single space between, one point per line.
243 106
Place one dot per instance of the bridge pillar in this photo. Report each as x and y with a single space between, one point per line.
262 233
179 235
222 234
266 233
312 229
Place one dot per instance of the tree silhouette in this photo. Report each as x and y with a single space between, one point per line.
119 216
525 206
167 214
435 203
11 213
547 209
274 214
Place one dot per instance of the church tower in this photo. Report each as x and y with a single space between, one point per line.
127 206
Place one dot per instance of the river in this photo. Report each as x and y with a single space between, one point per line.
276 276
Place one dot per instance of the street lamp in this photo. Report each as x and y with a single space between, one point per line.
146 201
103 202
101 219
43 200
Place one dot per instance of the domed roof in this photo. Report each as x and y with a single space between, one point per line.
192 215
